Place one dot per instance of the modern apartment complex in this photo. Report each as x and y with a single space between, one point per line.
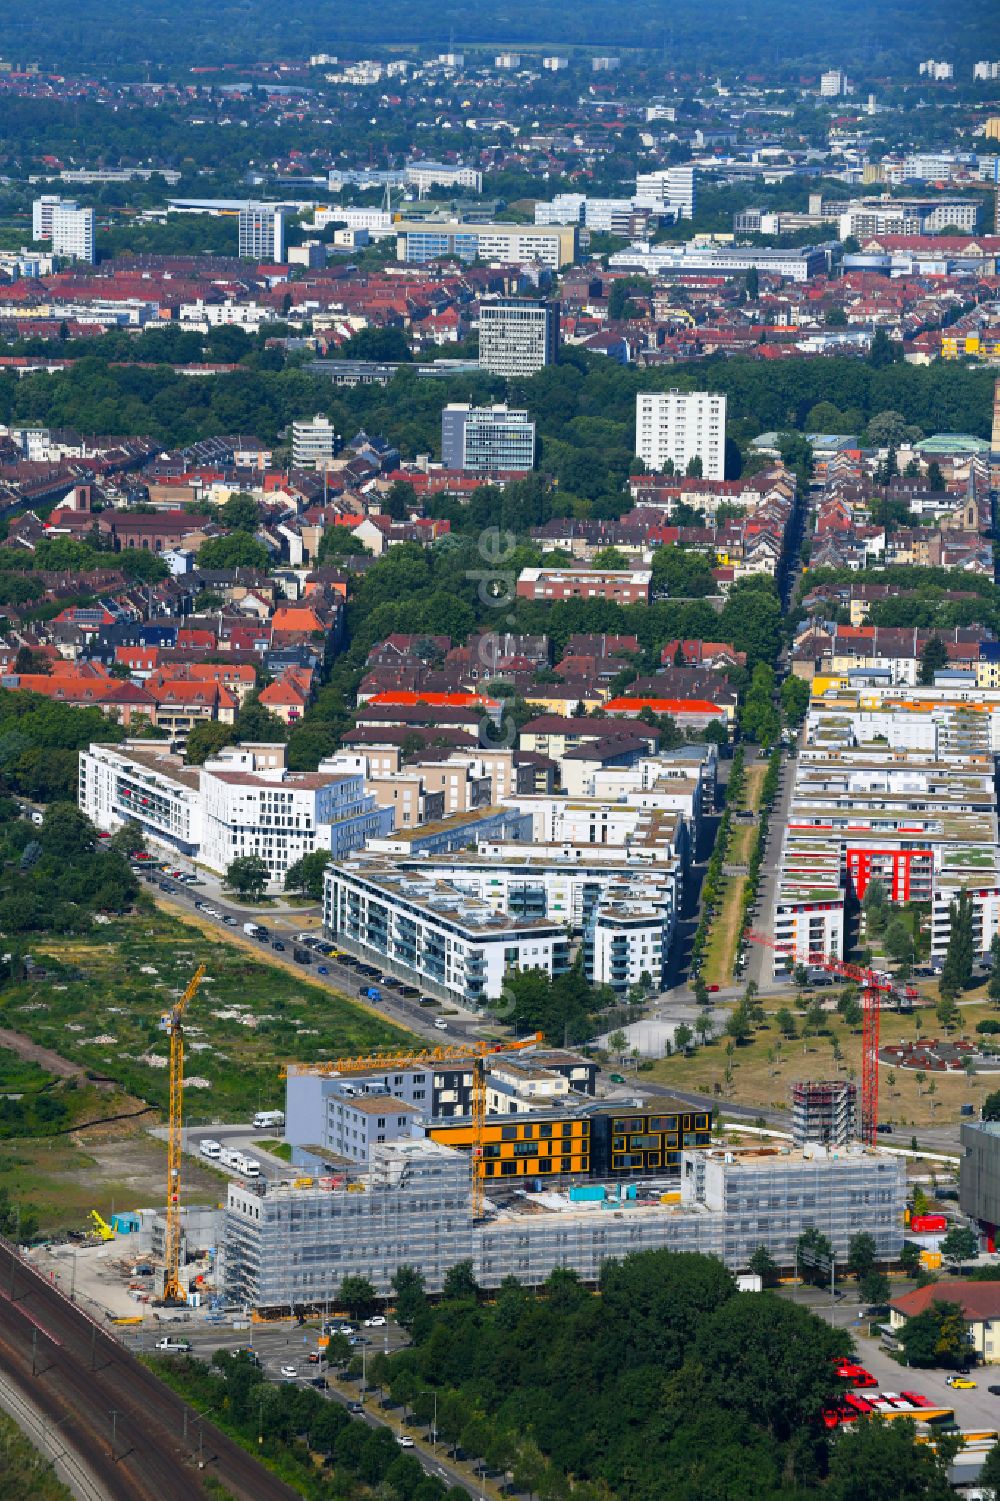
486 439
243 801
894 784
517 337
671 187
262 232
511 244
674 427
289 1246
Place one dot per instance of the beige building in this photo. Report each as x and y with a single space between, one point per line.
980 1303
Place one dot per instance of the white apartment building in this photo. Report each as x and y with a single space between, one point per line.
517 337
241 802
555 64
442 937
938 71
677 426
207 315
905 216
41 215
314 442
985 71
833 83
72 231
671 187
262 232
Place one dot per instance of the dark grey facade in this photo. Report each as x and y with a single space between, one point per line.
979 1184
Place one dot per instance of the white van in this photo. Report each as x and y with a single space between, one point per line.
210 1148
268 1120
250 1167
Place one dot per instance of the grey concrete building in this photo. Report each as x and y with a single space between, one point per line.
517 336
979 1181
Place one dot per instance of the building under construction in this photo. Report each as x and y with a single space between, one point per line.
290 1245
825 1111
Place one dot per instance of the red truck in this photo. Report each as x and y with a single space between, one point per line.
928 1224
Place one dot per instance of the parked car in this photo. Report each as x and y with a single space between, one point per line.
883 1128
377 1321
277 944
404 1441
356 1408
961 1384
322 969
441 1024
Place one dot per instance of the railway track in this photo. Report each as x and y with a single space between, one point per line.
138 1438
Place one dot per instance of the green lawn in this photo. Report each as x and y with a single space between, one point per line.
101 1004
23 1470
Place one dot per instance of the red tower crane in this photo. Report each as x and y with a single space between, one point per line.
874 985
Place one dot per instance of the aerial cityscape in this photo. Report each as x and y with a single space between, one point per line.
499 739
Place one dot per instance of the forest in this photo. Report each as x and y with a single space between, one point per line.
131 36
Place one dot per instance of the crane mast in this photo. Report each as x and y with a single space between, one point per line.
172 1023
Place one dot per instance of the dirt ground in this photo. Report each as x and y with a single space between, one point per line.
65 1178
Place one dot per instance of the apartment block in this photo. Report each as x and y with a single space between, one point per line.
627 586
315 443
486 439
73 233
509 244
242 801
670 187
262 232
672 428
517 337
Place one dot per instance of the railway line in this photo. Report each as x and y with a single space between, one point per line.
138 1438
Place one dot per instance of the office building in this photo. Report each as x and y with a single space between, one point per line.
425 175
979 1178
262 232
824 1111
69 228
517 337
242 801
289 1245
675 427
509 244
314 443
486 439
668 187
908 216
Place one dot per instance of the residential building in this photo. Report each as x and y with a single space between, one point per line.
834 83
510 244
42 210
486 439
73 232
517 337
720 260
980 1305
674 428
243 801
939 72
626 586
315 442
262 232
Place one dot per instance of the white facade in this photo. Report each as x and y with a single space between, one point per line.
938 71
679 426
262 232
73 232
41 215
986 71
314 442
517 337
674 187
486 439
833 83
241 802
426 175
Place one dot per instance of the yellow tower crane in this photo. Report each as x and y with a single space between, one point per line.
475 1053
171 1022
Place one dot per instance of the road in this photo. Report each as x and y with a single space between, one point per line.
138 1439
283 926
286 1345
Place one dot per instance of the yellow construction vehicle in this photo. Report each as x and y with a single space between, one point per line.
473 1054
101 1225
173 1293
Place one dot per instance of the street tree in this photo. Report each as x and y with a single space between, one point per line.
937 1337
960 1244
247 875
